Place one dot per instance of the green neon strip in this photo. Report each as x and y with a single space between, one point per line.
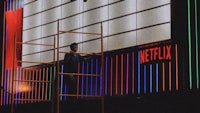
50 83
189 42
197 51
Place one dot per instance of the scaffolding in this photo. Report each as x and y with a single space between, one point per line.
38 76
59 73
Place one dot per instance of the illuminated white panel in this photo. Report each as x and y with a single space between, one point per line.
154 16
32 34
49 29
50 3
49 40
33 58
146 4
94 4
47 56
122 41
32 21
153 34
32 8
71 9
122 8
51 15
27 1
71 23
95 16
27 48
92 46
122 24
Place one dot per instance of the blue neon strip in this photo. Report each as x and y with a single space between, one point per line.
82 82
106 77
20 76
87 78
151 86
145 81
96 77
91 85
17 76
157 77
61 81
138 72
5 81
100 82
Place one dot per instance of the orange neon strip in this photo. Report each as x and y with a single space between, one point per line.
111 76
163 75
176 66
26 78
10 84
47 84
122 65
170 76
116 82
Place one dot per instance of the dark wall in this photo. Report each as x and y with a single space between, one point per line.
1 30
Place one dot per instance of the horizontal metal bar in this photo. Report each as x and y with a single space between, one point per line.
97 54
79 74
89 33
34 62
31 81
34 44
75 95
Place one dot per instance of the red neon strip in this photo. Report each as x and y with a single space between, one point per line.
47 84
163 75
116 82
176 67
170 77
133 73
122 71
111 77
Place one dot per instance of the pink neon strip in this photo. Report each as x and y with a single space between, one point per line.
122 74
133 73
26 78
43 83
36 86
29 83
116 82
111 77
33 84
39 88
78 80
127 73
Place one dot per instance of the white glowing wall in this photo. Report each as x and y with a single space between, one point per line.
126 23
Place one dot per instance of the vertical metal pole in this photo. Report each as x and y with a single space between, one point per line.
58 70
102 64
53 71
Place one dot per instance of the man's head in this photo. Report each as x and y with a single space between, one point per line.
74 47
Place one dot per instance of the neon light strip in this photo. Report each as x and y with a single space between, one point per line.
20 78
138 72
176 66
116 73
122 74
5 85
163 76
23 73
47 77
106 77
61 82
151 79
100 82
87 78
127 73
82 81
111 76
26 78
96 88
145 81
157 77
133 73
50 83
36 87
170 77
197 50
29 83
189 43
91 77
32 84
16 88
40 71
7 89
43 83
